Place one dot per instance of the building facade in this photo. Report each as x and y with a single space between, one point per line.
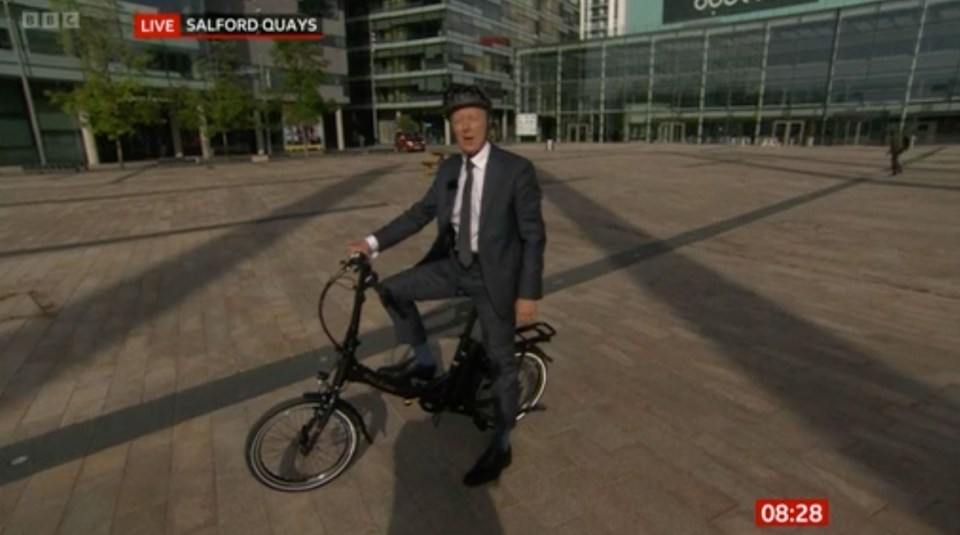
405 52
655 15
264 75
847 74
602 18
40 63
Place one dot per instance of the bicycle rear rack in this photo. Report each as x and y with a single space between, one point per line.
535 333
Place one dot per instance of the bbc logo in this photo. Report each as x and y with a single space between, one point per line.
50 20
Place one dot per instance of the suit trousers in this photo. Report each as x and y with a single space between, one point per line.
447 278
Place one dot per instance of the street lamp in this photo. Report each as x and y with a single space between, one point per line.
263 85
15 39
373 85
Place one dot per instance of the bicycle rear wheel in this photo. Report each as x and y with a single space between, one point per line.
532 381
288 450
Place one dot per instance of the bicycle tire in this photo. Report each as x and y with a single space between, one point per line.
255 442
529 398
540 386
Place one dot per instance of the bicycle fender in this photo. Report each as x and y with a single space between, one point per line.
537 351
352 413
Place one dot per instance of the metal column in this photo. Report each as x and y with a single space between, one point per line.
603 90
703 85
21 54
763 83
559 132
650 89
913 67
829 90
373 89
540 110
517 94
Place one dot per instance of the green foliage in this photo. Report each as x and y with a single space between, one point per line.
303 66
227 104
406 124
111 97
185 103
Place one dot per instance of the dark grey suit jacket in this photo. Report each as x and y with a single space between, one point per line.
512 236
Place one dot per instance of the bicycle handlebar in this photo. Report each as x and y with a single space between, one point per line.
357 263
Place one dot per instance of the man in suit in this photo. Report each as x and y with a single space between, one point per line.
489 247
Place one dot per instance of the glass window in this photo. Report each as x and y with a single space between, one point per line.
628 60
734 70
44 42
678 56
939 57
571 68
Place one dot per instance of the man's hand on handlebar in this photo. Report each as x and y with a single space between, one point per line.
361 247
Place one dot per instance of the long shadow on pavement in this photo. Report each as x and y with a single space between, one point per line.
186 230
111 313
744 160
874 416
74 441
160 192
834 386
428 497
430 461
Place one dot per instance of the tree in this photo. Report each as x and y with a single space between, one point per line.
111 100
406 124
227 104
303 68
185 103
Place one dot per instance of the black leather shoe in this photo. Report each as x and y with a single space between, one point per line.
489 466
408 370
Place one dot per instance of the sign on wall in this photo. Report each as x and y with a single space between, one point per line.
526 124
682 10
293 137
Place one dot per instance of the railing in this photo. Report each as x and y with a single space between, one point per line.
397 5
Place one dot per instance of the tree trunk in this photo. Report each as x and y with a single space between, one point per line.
205 140
306 142
226 147
119 152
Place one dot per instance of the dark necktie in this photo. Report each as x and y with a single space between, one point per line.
465 251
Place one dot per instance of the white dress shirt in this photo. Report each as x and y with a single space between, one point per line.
479 162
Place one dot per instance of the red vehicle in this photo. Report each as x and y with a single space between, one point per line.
409 142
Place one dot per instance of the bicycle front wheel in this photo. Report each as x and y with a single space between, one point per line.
289 450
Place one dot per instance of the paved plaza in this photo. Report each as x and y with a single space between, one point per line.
734 324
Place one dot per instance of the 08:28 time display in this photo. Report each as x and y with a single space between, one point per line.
792 512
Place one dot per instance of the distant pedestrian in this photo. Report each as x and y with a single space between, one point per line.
898 145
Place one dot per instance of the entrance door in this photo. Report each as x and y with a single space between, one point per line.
788 132
577 132
671 132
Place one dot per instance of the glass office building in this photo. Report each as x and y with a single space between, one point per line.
41 60
844 75
415 48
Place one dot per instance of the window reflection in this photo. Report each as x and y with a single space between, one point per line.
808 70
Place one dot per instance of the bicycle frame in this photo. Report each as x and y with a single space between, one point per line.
348 368
451 392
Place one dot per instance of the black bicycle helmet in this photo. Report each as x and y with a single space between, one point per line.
461 96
